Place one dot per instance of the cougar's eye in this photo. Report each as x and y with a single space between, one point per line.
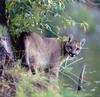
69 48
77 49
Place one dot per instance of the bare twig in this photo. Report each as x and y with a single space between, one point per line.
90 2
75 61
70 78
81 78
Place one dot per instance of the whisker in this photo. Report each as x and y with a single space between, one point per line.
85 48
75 61
77 76
70 78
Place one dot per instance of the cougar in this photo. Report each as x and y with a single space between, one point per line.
47 53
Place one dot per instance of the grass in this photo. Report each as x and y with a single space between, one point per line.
40 86
28 85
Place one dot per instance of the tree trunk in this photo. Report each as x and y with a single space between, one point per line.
4 33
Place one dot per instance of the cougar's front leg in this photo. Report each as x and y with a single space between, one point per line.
33 69
33 65
52 71
27 55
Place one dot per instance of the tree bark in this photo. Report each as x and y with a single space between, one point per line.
5 35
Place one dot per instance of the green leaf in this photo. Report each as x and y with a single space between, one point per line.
85 26
97 82
68 69
65 38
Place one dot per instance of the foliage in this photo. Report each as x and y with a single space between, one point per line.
42 16
33 15
28 85
51 88
82 15
3 31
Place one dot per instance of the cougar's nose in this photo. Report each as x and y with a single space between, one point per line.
72 55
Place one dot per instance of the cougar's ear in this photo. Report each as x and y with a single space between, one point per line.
82 42
70 38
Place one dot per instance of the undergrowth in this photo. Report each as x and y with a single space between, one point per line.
22 83
29 85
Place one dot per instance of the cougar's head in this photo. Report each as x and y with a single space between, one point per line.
73 47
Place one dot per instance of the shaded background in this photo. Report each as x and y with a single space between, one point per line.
89 12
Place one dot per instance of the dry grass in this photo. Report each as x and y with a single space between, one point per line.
16 82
